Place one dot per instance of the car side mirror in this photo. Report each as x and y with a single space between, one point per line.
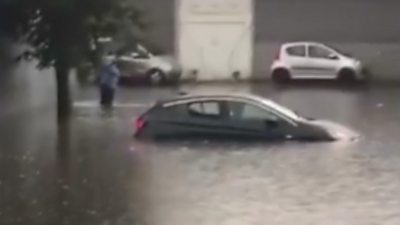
271 124
139 55
333 57
135 55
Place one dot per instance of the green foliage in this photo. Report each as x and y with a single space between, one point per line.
65 31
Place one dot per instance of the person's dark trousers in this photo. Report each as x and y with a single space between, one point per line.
106 96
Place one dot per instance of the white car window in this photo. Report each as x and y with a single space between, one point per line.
299 51
320 52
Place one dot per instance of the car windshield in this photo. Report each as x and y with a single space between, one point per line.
337 50
281 109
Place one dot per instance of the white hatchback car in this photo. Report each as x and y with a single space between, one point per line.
310 60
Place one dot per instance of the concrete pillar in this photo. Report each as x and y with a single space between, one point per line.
214 38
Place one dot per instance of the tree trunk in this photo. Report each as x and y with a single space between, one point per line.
64 104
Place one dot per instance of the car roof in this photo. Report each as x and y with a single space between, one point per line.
219 96
288 44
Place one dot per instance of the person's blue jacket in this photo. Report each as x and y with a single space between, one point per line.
109 75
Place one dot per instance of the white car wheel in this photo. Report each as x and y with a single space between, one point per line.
281 75
156 77
347 75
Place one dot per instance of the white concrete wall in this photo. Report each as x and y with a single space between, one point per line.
215 38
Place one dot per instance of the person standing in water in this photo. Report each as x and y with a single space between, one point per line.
109 78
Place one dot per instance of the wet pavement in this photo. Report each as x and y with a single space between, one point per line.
93 172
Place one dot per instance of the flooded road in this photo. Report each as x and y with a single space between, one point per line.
93 172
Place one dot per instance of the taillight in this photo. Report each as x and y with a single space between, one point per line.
140 123
278 55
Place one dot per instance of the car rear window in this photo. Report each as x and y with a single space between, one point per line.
299 50
171 111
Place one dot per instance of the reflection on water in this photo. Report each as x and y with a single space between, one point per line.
93 172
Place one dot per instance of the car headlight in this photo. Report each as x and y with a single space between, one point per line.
344 135
338 135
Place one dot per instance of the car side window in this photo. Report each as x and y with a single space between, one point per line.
319 52
205 109
172 111
139 55
299 51
243 111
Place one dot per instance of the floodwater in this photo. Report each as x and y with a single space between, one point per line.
93 172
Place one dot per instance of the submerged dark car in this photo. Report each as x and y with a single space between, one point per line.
234 117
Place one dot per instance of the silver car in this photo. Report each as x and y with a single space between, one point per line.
311 60
141 65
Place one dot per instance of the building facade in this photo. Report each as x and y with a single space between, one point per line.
369 29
